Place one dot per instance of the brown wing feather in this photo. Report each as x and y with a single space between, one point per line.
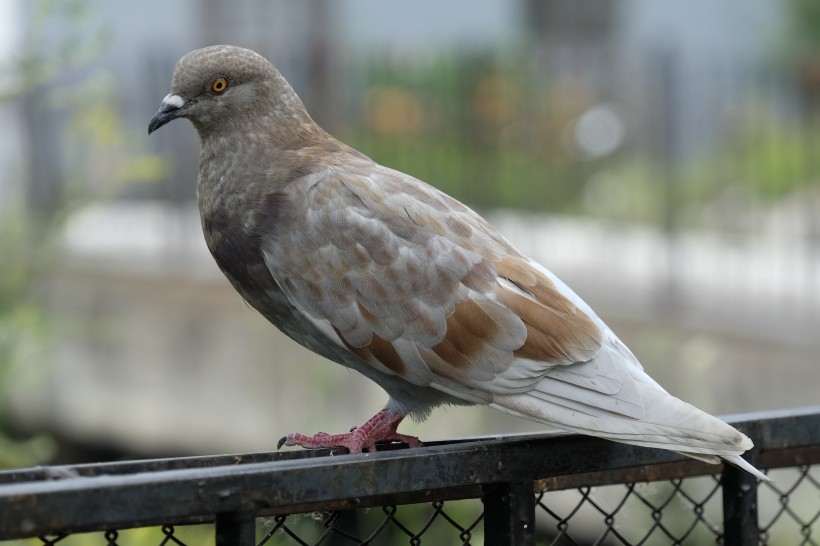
557 331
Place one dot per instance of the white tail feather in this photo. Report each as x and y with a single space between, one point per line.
741 463
669 423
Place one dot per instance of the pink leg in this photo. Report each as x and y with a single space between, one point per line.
379 428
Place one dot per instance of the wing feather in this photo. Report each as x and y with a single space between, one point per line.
401 265
407 265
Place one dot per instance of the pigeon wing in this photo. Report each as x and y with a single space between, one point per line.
418 285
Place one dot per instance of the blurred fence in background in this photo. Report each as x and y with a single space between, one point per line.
721 146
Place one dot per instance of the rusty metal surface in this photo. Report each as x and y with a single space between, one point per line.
120 495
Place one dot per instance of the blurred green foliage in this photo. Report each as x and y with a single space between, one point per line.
475 127
55 70
805 19
496 131
23 328
39 62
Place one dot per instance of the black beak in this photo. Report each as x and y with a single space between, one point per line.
169 110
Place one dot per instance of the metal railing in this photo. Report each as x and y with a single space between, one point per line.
253 499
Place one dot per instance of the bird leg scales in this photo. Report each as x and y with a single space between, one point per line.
379 428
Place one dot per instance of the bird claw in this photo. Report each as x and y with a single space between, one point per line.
295 439
379 429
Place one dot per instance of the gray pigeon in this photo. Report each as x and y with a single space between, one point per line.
386 275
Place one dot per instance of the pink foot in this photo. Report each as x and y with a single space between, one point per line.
379 428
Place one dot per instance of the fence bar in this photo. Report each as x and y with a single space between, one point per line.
739 508
44 501
509 514
235 529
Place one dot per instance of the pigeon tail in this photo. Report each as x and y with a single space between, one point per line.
668 423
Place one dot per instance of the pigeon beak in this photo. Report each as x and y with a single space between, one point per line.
168 110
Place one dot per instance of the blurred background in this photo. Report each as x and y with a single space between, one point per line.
662 158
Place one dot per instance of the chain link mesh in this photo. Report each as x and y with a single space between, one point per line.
672 512
680 511
166 535
790 507
454 522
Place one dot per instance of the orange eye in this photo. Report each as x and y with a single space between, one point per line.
219 85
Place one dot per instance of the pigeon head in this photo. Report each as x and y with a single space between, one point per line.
221 88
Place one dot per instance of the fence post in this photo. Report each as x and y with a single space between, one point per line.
739 507
509 514
235 529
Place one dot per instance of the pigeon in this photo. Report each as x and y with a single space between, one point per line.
384 274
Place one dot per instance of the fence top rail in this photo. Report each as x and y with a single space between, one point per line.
90 497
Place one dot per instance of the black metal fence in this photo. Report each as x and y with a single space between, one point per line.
548 489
